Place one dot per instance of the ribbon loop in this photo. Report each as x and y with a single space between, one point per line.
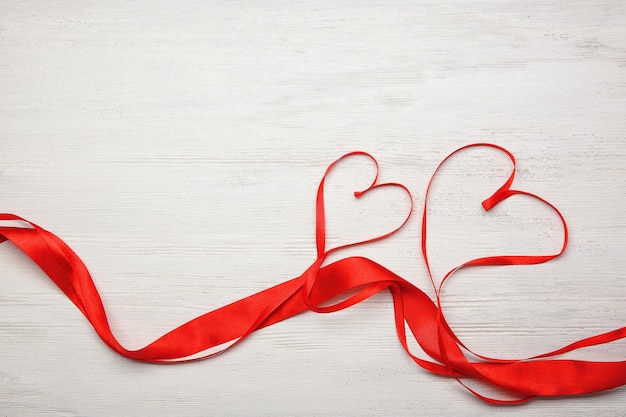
320 210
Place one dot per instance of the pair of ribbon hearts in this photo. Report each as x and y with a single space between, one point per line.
359 278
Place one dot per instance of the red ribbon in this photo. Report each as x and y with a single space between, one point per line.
358 276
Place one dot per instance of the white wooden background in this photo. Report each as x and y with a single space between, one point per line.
177 147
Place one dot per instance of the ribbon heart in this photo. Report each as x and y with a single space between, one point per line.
503 193
320 209
310 275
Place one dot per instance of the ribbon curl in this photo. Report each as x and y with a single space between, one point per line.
361 277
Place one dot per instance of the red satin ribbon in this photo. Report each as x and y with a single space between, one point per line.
358 276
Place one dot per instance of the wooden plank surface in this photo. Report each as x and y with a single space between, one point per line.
177 147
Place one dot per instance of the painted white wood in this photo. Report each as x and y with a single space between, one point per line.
177 147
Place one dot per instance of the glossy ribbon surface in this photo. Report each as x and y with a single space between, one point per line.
416 314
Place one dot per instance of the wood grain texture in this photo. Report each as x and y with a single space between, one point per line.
177 146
